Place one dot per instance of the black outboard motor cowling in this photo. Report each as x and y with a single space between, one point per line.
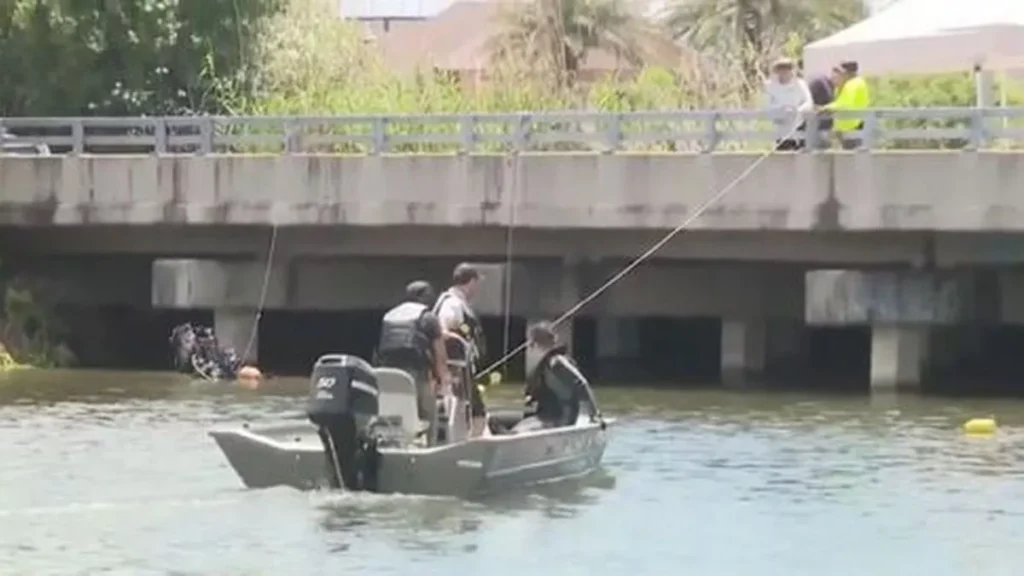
343 398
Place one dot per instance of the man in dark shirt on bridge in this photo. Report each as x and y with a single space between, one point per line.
822 93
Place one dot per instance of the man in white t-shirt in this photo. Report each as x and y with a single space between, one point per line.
456 315
788 96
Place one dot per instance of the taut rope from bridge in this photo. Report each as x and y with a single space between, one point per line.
647 254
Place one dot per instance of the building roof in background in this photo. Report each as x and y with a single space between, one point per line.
436 42
388 9
424 9
457 39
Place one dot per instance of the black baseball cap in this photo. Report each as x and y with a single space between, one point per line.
420 291
465 273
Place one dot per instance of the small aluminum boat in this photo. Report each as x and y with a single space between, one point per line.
504 457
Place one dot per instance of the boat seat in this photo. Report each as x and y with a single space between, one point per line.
398 397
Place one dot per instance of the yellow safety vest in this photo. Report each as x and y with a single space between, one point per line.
852 96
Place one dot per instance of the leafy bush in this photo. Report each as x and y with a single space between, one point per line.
308 62
131 57
296 57
30 333
941 91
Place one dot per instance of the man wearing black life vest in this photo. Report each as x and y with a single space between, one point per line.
555 387
458 319
410 339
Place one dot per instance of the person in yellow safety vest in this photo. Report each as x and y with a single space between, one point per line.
852 95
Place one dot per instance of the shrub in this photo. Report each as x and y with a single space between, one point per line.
310 63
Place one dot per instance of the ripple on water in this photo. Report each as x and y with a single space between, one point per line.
719 484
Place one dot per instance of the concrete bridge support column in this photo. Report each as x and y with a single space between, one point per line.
233 289
235 327
903 309
784 346
899 355
618 347
751 348
548 290
743 350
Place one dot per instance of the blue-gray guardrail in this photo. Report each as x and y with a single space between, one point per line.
694 131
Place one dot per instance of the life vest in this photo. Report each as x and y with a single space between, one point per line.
471 329
558 388
402 340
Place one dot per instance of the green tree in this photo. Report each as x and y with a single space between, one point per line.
71 57
30 332
748 31
556 35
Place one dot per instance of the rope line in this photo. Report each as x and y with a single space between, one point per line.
647 254
509 246
271 251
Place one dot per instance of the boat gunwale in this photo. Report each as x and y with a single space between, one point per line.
253 434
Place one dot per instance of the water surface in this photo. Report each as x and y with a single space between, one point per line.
113 473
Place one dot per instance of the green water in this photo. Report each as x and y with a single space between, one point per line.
113 473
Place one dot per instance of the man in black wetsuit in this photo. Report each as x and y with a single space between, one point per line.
410 339
555 387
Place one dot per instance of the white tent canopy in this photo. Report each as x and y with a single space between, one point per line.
928 36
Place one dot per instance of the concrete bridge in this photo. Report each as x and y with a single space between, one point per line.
901 240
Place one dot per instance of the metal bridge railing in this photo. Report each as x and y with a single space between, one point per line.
701 131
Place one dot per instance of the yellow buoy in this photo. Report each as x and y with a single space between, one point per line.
980 426
249 377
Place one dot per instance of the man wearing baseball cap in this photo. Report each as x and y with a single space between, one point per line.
789 99
410 339
853 95
454 311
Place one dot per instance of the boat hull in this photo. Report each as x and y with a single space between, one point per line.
291 455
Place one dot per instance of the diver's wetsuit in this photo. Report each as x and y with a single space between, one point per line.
559 391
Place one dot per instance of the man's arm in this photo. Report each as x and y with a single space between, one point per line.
769 95
440 361
582 385
808 101
432 330
843 99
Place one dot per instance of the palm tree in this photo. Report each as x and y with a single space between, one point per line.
751 30
558 34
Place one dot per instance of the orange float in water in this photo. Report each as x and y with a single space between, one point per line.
249 377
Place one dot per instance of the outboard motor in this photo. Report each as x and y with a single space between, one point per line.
343 399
